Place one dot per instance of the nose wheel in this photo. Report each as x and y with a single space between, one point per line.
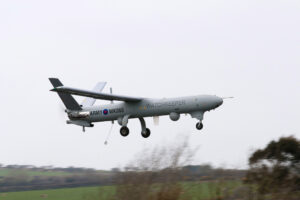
146 133
199 126
124 131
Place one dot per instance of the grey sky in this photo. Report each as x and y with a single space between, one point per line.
158 48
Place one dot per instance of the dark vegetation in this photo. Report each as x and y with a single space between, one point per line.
275 170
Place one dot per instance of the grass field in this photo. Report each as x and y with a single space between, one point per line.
196 191
209 189
81 193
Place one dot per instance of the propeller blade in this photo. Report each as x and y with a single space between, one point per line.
61 111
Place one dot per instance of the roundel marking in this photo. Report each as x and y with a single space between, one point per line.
105 112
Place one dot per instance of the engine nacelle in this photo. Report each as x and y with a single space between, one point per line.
79 115
174 116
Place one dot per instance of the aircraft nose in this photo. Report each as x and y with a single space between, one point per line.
219 101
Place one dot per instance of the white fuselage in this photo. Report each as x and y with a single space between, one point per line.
152 107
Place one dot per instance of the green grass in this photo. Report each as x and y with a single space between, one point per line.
209 189
81 193
195 191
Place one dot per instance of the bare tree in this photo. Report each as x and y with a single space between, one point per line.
155 173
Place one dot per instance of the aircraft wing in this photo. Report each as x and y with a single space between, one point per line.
95 95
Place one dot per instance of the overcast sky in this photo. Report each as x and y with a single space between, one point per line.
158 48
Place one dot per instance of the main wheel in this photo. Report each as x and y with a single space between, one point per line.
124 131
146 133
199 125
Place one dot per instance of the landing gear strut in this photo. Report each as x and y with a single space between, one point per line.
83 129
199 125
124 131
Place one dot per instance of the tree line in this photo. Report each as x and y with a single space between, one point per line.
22 177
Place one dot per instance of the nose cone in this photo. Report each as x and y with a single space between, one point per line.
219 101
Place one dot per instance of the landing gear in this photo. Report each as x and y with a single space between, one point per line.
83 129
199 116
124 131
146 133
199 125
123 122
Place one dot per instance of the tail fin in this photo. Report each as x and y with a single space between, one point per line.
67 99
89 101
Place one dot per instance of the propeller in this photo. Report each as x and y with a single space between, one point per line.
61 111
